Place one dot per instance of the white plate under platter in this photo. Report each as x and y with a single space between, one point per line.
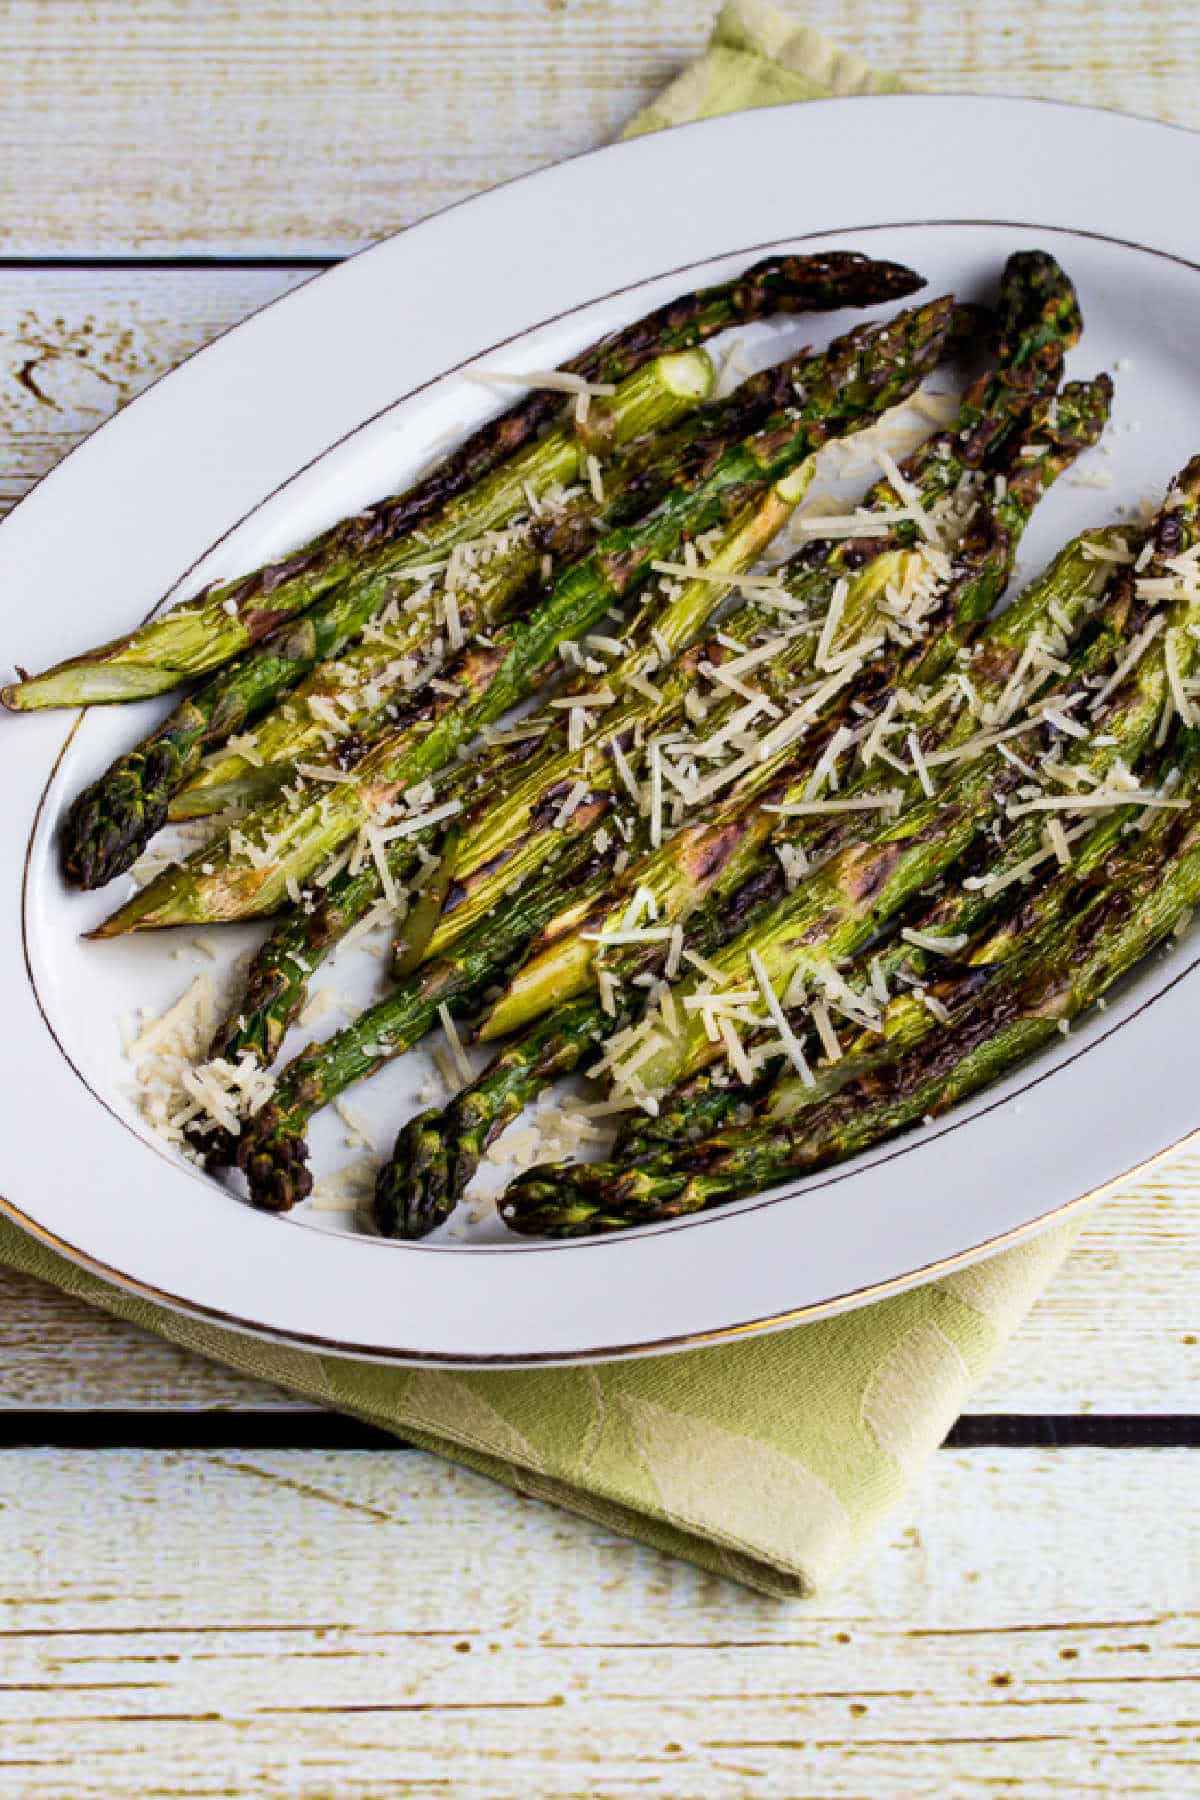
234 450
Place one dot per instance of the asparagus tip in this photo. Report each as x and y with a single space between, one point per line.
412 1194
274 1161
113 820
563 1200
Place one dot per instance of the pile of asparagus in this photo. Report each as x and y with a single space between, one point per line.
791 859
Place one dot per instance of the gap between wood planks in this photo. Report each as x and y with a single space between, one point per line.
188 1430
214 263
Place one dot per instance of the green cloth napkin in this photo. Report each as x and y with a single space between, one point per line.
769 1459
759 56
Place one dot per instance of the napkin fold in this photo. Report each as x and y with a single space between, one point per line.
760 56
769 1459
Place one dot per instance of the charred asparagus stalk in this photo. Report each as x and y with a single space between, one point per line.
1038 315
859 377
996 1015
719 1098
358 691
272 1152
487 865
115 817
924 957
509 833
269 1152
418 1192
532 813
868 880
202 633
716 852
1037 322
437 1153
511 825
1071 585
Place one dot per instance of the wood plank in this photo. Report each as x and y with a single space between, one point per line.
304 1625
78 344
322 124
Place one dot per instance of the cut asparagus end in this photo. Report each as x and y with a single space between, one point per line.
172 898
540 986
200 802
688 374
89 684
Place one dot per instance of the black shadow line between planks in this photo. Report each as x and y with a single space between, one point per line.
32 1429
135 264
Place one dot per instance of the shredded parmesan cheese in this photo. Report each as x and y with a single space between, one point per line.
825 1031
937 946
454 1043
555 381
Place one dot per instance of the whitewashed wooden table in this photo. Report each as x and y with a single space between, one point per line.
206 1588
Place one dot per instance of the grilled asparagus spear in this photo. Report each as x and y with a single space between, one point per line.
716 852
874 874
278 979
355 692
419 1198
1098 654
1038 319
489 863
511 828
996 1015
862 374
114 818
272 1152
914 965
436 1153
509 824
216 625
417 1192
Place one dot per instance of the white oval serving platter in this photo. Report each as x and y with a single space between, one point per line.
336 394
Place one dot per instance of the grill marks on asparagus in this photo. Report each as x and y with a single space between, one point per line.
115 817
700 1103
783 455
486 786
711 854
871 877
272 1152
557 1042
855 893
860 376
1128 672
231 615
359 694
1107 921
